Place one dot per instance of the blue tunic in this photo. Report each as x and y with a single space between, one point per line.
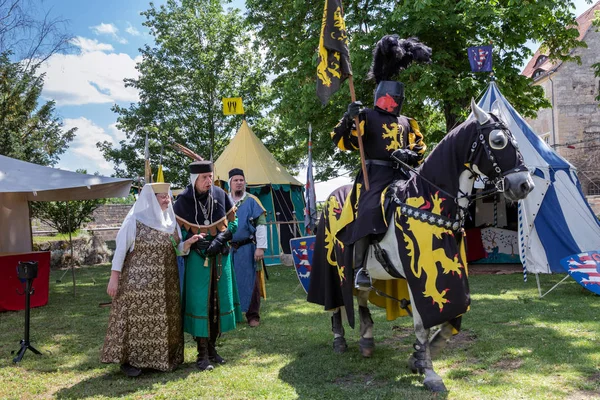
248 212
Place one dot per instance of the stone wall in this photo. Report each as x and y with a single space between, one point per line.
106 221
108 216
576 110
595 204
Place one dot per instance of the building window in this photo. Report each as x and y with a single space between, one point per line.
538 73
594 188
546 138
541 59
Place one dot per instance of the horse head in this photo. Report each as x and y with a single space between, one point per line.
495 153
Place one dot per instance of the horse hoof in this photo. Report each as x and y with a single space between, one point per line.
339 345
367 346
412 365
435 386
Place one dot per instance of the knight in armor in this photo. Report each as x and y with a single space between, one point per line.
390 140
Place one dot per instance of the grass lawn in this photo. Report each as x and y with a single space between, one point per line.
57 237
513 346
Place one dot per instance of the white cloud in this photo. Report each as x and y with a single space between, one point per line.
87 45
110 30
89 77
116 133
82 152
132 30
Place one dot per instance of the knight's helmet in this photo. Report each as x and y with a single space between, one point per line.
389 97
390 56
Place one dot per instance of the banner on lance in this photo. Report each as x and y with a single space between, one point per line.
302 253
585 269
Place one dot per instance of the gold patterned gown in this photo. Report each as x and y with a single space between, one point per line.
144 327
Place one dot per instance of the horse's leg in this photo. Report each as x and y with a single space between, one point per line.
437 343
420 361
366 342
439 340
339 342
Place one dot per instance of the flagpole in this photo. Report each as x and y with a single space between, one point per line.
358 134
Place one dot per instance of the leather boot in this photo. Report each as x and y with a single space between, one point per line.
362 280
202 361
212 353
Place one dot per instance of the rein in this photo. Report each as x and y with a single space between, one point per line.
498 181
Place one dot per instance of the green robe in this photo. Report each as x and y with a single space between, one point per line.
197 282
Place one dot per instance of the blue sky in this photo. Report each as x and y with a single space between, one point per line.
85 85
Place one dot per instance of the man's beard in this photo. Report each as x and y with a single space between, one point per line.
238 193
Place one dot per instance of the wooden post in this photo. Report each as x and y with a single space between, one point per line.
360 143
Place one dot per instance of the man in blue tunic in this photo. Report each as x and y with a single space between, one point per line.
248 246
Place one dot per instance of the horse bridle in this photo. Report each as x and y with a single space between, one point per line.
498 180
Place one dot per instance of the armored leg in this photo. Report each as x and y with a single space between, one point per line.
339 342
362 280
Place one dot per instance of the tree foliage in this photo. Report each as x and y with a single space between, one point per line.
31 34
289 30
65 216
201 54
29 131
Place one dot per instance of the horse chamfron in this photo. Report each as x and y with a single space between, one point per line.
418 266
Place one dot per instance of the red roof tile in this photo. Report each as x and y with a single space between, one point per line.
584 22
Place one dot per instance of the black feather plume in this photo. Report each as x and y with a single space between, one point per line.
392 54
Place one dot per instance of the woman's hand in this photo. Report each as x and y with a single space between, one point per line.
188 243
113 283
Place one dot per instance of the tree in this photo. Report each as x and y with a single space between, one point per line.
201 54
66 216
290 30
30 34
28 131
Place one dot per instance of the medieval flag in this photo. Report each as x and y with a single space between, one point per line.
480 58
159 174
334 58
147 170
310 213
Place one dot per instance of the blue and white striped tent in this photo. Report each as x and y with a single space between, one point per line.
555 220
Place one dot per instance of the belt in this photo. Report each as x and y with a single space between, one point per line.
238 244
390 164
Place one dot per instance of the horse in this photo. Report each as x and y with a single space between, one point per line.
419 266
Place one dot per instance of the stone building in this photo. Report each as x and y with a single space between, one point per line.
572 125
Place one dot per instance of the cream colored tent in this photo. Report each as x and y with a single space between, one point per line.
280 193
21 182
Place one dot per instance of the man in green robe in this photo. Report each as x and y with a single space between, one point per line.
210 296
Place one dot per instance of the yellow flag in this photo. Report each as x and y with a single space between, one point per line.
159 174
233 105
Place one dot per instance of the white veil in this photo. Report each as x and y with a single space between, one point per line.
147 210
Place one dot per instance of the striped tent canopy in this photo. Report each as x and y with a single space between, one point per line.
555 220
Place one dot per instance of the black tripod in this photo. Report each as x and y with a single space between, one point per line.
26 270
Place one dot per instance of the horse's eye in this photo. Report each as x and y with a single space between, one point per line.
498 139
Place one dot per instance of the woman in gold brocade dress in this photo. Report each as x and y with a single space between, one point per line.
144 327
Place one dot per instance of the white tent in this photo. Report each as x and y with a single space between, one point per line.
555 220
21 182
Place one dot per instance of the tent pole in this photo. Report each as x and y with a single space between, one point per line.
71 244
537 280
553 287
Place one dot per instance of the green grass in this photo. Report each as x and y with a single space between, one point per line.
513 346
57 237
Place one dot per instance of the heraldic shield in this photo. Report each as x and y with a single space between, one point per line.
585 269
302 253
